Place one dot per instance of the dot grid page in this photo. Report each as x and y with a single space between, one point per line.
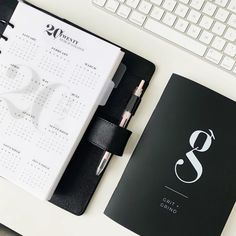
52 77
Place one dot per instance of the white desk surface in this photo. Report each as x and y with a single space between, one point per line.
30 216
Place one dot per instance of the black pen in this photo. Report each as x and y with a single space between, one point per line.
126 116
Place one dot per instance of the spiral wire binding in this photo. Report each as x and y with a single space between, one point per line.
4 22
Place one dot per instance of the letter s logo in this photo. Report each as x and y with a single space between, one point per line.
191 156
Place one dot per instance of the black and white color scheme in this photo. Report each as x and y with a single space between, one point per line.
79 181
181 178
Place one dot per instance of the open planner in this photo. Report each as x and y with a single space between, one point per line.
53 77
62 93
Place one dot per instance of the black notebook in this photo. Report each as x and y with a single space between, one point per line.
19 40
181 177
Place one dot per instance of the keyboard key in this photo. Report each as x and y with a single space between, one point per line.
230 34
100 3
221 15
145 7
169 19
112 5
206 22
218 28
137 18
181 25
193 16
197 4
169 5
157 13
175 37
184 1
157 2
124 11
232 6
218 43
132 3
209 8
214 56
232 21
230 50
221 3
181 10
206 37
193 31
227 63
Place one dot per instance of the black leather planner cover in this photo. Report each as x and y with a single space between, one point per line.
80 181
181 178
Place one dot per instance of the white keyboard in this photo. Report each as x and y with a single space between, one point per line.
206 28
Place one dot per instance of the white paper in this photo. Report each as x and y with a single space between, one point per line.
52 77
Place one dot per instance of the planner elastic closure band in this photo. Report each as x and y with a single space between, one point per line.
4 22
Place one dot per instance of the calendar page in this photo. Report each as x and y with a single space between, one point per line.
52 78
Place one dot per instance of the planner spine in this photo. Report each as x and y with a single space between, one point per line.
4 22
